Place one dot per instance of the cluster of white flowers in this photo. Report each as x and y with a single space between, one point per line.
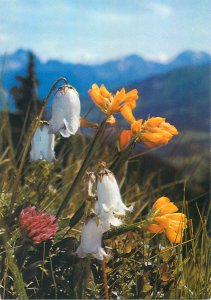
108 208
65 119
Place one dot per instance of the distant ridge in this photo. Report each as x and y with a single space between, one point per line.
114 74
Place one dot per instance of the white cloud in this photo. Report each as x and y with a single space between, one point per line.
160 9
4 37
160 57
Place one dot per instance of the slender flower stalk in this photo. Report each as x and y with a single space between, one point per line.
83 168
123 229
105 279
32 130
19 285
123 156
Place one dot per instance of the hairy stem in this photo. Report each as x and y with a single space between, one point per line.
105 280
123 229
17 276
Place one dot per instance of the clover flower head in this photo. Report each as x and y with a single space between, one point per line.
163 217
91 240
39 227
66 109
42 144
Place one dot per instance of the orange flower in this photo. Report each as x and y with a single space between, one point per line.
124 138
163 218
153 132
111 104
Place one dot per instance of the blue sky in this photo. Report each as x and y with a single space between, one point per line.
93 31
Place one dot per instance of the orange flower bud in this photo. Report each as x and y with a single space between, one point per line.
124 138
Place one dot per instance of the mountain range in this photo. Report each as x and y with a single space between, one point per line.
114 73
179 90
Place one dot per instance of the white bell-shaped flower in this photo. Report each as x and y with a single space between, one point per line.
91 240
109 198
107 218
42 144
66 110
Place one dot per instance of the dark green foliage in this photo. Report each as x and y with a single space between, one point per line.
25 95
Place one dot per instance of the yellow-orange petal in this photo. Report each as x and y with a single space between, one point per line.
95 86
104 92
155 228
173 236
177 226
131 97
155 138
168 208
118 98
160 202
170 128
136 126
154 122
124 138
98 99
180 217
127 113
162 221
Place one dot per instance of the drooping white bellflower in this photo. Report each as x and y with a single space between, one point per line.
109 203
91 240
66 109
42 144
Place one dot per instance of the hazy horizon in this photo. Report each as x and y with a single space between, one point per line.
101 62
98 31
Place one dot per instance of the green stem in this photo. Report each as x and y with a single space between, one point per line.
123 229
122 158
83 167
17 276
32 130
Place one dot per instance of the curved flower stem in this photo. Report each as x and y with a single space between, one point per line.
17 276
83 167
32 130
105 279
122 158
123 229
